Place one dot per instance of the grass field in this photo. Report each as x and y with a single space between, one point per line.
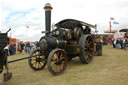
109 69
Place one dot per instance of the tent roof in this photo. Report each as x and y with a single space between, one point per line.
124 30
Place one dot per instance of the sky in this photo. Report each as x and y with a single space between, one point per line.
17 14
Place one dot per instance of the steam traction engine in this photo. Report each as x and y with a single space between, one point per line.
68 39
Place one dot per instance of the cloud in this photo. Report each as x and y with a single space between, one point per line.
16 15
19 13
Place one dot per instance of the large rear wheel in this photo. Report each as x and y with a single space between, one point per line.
86 48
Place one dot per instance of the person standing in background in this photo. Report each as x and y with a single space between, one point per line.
33 46
28 47
114 43
118 43
121 43
124 44
21 47
37 45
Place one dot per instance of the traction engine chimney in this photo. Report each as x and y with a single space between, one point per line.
47 9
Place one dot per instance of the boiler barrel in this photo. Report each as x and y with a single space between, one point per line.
49 42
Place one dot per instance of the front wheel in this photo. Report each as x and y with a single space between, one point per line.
37 61
57 62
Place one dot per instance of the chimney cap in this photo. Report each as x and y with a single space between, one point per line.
48 4
47 7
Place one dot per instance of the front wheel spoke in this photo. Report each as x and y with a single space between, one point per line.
43 60
33 54
34 65
33 61
41 63
37 56
37 65
37 52
42 57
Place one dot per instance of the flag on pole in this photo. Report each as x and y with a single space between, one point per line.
111 18
115 22
27 26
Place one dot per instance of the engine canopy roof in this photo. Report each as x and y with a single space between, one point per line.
72 23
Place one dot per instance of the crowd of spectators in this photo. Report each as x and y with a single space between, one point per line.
21 47
120 43
27 47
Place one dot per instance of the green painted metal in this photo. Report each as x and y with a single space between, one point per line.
72 49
